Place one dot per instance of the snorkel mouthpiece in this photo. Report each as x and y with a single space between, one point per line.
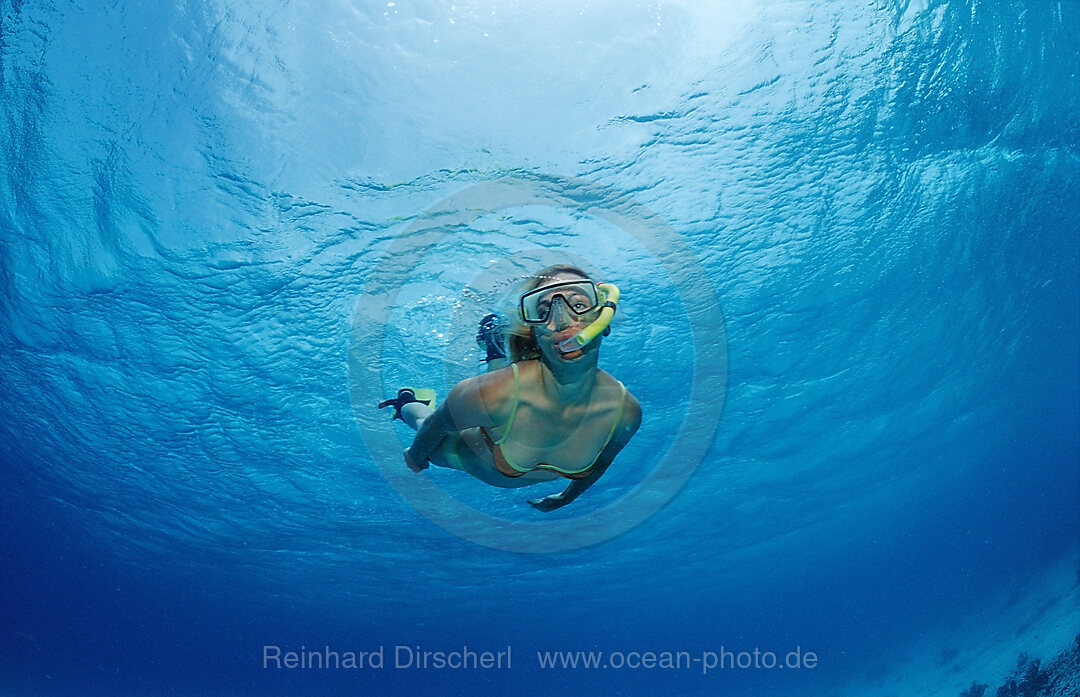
608 301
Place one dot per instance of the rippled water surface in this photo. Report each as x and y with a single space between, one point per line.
845 235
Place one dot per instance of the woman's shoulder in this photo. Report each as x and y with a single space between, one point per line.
630 406
497 390
607 380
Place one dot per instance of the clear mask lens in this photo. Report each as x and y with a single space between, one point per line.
578 296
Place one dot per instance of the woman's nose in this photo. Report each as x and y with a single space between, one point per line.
560 314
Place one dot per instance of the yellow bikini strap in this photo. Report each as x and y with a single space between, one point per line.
513 409
618 418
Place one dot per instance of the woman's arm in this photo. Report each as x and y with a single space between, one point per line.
428 438
627 428
463 408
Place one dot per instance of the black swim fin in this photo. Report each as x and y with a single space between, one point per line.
408 395
491 336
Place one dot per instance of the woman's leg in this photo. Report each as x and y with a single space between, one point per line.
414 414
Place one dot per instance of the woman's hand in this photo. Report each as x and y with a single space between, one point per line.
414 463
549 503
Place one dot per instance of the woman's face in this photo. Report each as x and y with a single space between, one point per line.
562 323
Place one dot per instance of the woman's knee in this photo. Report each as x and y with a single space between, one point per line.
414 414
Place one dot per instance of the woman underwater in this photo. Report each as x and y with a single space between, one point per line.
550 413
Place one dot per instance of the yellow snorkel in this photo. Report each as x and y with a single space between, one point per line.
608 299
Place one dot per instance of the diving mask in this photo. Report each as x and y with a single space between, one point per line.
580 297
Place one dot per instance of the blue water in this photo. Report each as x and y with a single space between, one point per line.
222 223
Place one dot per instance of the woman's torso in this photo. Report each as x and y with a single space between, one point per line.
537 432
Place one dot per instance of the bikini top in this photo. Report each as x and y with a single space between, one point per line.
511 469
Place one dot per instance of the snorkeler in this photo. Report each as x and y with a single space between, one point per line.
544 409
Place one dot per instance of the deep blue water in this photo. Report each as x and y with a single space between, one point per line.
845 234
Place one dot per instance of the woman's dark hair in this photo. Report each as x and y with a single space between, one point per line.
519 336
